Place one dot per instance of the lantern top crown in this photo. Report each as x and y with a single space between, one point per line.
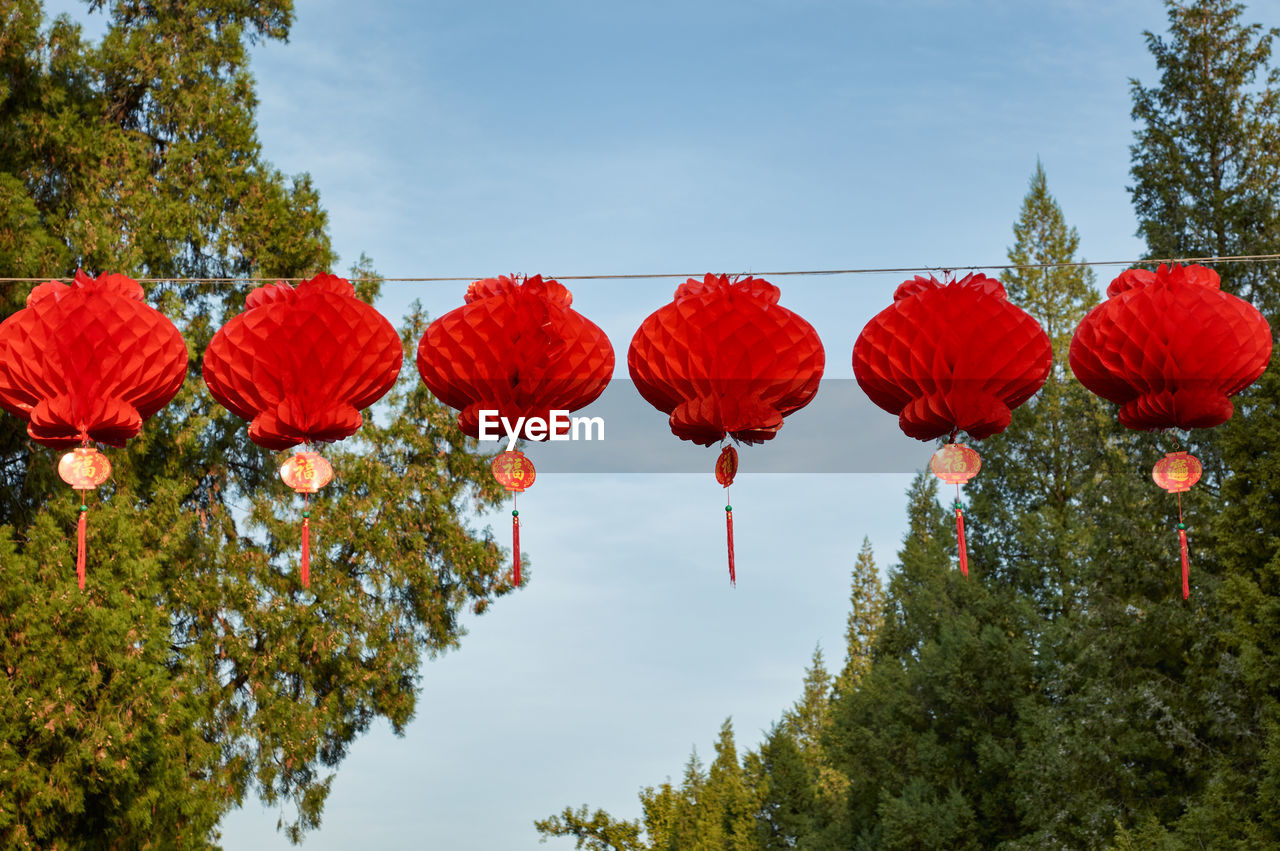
283 292
548 290
975 281
1175 275
107 282
757 288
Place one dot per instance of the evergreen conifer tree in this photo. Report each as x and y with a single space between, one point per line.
1028 526
928 739
596 831
729 798
1206 170
1068 519
785 784
866 615
194 671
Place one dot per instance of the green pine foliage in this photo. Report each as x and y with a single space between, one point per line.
866 616
1205 165
1064 696
596 831
929 738
1029 528
1206 152
194 672
789 803
1059 492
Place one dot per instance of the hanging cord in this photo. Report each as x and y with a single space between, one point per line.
515 538
306 541
1185 439
82 523
82 528
1145 261
726 469
728 525
963 549
1182 544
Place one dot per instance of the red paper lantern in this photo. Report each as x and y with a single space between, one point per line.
1170 348
307 472
724 359
301 363
513 470
727 466
955 463
84 468
952 357
88 362
1177 472
518 349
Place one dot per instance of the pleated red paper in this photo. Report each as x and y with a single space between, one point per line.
515 347
951 357
302 363
1170 348
724 358
88 361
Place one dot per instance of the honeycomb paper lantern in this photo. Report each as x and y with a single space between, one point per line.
88 362
950 358
724 360
1171 349
519 350
301 363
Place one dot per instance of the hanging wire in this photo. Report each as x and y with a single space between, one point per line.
946 268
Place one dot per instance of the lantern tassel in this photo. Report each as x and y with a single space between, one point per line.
1186 564
515 547
304 567
306 552
728 526
82 527
964 552
1182 546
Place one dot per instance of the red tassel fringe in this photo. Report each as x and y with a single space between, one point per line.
728 524
964 552
1186 564
515 549
306 553
81 529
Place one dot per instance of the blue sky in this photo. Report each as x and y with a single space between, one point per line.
563 138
